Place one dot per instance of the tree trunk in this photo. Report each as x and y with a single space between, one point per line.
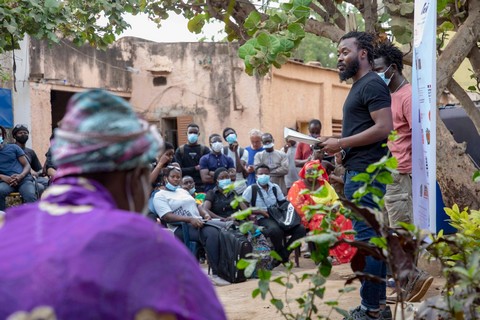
454 167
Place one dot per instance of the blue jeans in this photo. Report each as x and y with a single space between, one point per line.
372 293
26 188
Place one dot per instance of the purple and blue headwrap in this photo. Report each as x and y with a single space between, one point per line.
101 133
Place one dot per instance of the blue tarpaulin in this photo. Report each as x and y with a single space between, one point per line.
6 108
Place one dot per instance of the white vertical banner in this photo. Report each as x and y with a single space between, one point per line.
424 115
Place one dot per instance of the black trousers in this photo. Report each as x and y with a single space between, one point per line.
272 230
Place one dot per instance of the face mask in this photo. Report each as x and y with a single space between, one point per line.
1 140
22 139
192 137
192 191
382 75
217 146
224 183
231 138
263 179
171 187
268 146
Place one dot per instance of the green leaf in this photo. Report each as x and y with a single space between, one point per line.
476 176
196 24
243 263
277 303
331 303
446 26
253 20
325 269
255 293
379 242
52 4
248 49
391 163
298 3
296 31
375 191
275 255
263 39
243 214
384 177
264 274
250 269
347 289
342 312
472 88
246 227
361 177
301 12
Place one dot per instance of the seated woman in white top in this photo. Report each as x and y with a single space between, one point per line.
175 204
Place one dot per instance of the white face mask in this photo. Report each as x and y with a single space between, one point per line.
217 146
269 146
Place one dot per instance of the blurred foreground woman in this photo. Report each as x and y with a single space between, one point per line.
82 251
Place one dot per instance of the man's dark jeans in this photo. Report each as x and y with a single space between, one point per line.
26 188
372 293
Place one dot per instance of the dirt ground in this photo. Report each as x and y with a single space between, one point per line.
239 304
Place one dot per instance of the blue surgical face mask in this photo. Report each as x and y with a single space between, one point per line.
231 138
382 75
263 179
224 183
192 137
1 140
171 187
192 191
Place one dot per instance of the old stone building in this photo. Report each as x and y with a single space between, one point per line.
173 84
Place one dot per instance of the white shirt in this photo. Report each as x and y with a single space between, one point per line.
178 202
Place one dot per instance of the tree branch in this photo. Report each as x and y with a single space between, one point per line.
458 47
324 15
332 10
324 29
467 103
370 15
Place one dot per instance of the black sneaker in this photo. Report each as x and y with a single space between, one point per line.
387 313
361 314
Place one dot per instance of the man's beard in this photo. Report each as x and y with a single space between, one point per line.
350 70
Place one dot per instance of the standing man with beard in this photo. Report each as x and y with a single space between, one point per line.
367 121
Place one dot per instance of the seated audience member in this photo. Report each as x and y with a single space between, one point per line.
312 177
175 204
162 161
189 185
266 198
218 200
214 160
90 254
277 161
239 156
253 149
21 134
14 172
337 175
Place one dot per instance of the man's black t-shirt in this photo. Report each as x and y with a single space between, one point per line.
368 94
33 159
188 157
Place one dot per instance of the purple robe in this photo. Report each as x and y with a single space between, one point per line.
77 253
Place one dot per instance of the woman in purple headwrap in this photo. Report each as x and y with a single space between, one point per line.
81 252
